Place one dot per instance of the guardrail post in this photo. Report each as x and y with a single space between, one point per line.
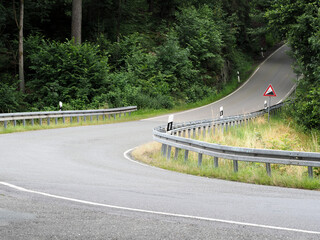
199 131
114 116
97 118
5 124
235 166
32 122
227 126
56 120
24 122
268 167
169 153
186 155
199 159
14 123
40 121
310 172
84 118
48 121
209 129
184 133
63 120
78 119
216 162
189 132
70 119
164 149
103 117
176 153
90 118
194 133
204 132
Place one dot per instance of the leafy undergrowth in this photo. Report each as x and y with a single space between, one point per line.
259 134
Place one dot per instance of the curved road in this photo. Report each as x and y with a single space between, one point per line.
76 183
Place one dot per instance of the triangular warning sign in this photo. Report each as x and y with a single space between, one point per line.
270 92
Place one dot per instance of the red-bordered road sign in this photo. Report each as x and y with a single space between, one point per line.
270 92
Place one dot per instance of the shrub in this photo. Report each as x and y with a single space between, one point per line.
10 99
64 72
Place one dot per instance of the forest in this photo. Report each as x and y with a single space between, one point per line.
150 53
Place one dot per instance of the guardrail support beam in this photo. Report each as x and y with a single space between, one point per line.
199 159
176 153
235 166
310 172
5 124
169 153
216 162
268 167
164 150
186 155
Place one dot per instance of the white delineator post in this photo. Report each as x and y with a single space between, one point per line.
221 112
60 106
170 123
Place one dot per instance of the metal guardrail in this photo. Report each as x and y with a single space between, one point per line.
24 116
181 138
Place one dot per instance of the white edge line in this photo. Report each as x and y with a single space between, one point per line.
288 94
191 110
127 156
157 213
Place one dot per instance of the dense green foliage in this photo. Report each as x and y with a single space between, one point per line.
149 53
299 22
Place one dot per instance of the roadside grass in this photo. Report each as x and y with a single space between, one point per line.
258 134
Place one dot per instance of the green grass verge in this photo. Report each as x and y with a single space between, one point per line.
254 135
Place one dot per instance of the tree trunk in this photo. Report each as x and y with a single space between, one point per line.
76 21
21 68
119 19
151 5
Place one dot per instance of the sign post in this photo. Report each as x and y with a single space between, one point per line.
269 93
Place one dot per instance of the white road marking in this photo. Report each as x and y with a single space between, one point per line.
156 212
288 94
191 110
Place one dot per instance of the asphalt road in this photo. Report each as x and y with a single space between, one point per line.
76 183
